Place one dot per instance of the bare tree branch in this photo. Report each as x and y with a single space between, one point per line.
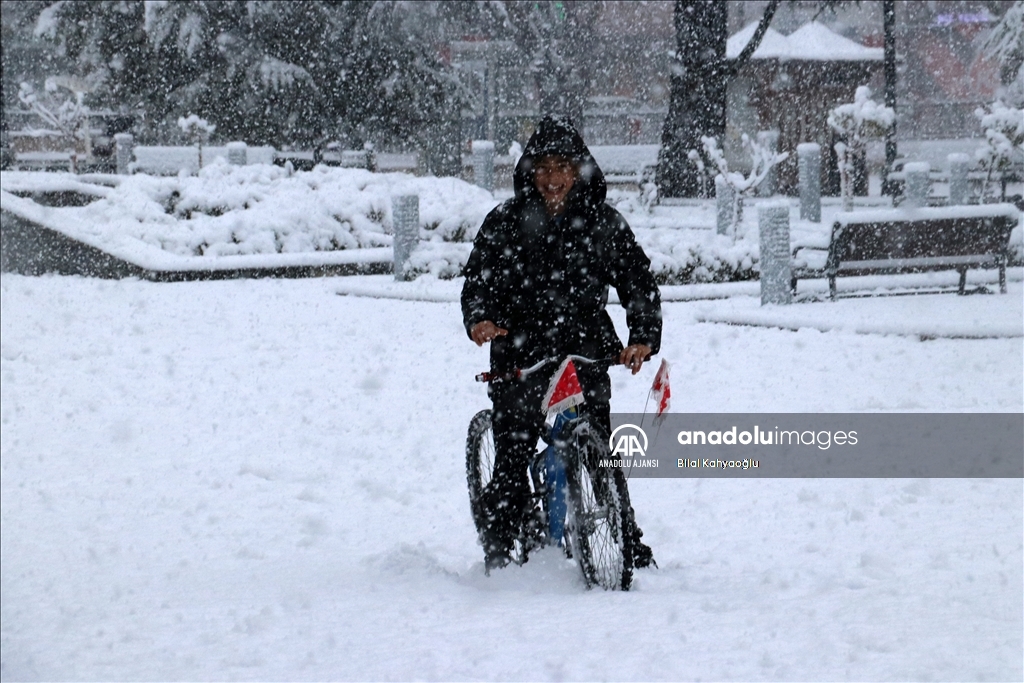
755 40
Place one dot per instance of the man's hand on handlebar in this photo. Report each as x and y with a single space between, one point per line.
634 356
485 331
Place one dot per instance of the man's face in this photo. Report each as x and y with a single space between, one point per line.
554 177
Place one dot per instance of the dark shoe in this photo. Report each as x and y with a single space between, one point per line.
643 556
496 560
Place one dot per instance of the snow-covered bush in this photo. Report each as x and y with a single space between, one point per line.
1004 141
857 122
678 259
762 160
66 116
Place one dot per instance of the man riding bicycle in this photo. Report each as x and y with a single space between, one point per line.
537 287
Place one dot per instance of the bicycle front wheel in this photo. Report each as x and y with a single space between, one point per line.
596 524
480 454
479 464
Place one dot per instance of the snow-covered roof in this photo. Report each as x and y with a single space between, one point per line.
815 41
811 42
774 45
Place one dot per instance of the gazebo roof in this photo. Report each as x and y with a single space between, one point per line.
811 42
774 45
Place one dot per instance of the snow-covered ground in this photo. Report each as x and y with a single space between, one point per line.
256 480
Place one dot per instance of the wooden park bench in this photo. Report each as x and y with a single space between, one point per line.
913 241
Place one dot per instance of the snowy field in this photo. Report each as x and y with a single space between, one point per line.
262 480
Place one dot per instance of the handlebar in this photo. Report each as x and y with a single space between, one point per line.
519 373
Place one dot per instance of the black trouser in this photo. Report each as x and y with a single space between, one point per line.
518 421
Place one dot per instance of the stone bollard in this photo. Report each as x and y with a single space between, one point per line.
237 153
915 187
768 186
371 157
809 168
959 190
483 164
124 149
405 216
724 200
776 273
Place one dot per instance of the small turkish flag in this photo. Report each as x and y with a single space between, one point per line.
660 389
564 391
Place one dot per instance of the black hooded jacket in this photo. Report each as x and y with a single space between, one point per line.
546 280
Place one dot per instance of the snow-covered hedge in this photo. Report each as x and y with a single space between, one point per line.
262 209
259 209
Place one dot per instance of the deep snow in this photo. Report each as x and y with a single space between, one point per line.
263 480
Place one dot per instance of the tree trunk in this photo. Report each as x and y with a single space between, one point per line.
889 188
700 76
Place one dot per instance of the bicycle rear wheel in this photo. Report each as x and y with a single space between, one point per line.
596 523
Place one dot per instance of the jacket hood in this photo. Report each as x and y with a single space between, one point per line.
557 136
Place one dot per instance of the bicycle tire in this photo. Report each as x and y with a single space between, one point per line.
596 526
479 469
479 463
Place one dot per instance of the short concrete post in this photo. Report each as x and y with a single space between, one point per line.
768 186
371 157
915 191
124 149
405 216
958 188
483 164
237 153
724 199
809 171
773 225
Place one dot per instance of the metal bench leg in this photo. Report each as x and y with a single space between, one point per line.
1002 276
963 281
832 287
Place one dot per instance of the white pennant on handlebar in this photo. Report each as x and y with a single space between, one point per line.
564 391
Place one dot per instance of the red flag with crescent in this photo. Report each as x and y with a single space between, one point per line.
661 390
565 390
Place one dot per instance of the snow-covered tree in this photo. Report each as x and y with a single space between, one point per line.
699 81
270 71
762 160
698 86
65 115
555 42
856 123
1004 141
1005 44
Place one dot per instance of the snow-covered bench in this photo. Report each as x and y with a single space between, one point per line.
909 241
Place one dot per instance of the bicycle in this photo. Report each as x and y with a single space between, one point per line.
574 502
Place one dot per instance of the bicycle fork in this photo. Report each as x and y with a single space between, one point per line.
556 491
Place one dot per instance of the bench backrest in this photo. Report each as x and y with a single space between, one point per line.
926 238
